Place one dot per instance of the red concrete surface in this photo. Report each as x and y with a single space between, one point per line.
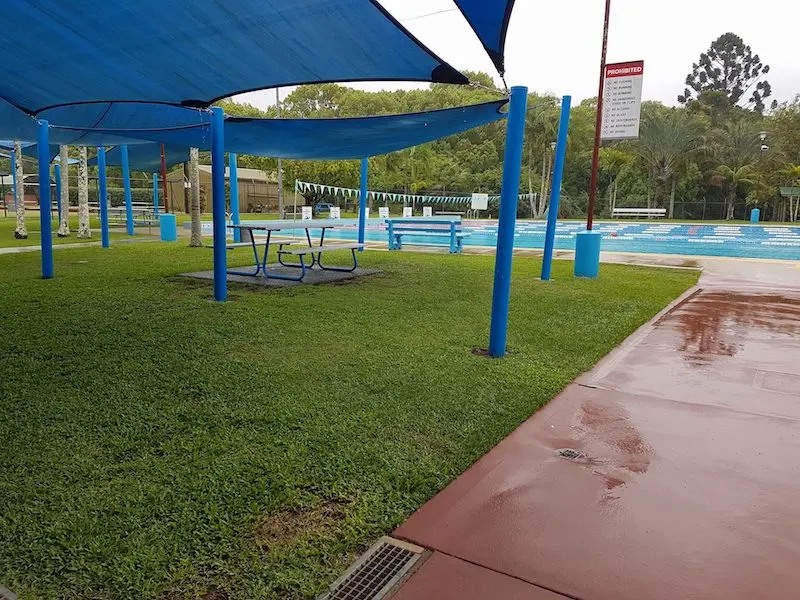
689 481
443 577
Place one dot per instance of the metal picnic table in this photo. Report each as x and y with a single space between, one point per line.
292 248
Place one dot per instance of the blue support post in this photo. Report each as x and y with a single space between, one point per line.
126 182
218 203
57 175
453 247
555 191
507 219
390 230
237 235
155 195
45 198
13 159
362 204
103 200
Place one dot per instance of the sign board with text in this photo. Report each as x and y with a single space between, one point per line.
427 211
480 201
336 212
408 212
306 212
383 212
622 101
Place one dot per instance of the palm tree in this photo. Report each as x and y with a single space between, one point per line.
194 180
21 231
84 232
614 161
665 146
733 179
542 128
63 225
791 174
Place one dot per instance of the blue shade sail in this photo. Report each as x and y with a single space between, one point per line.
329 139
489 20
146 157
192 53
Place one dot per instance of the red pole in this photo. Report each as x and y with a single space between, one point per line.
164 179
598 122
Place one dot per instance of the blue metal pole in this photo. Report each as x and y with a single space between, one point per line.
362 205
14 177
126 182
555 190
155 195
103 200
507 218
45 198
234 177
218 203
57 175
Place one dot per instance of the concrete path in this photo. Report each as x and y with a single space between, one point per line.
685 478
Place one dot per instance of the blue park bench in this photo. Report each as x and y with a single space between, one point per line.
401 230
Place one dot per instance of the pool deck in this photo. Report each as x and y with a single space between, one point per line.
687 483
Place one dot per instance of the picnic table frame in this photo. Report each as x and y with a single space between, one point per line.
315 251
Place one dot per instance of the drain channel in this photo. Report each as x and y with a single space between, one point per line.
568 453
376 572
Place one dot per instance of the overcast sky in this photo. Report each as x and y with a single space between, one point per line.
554 46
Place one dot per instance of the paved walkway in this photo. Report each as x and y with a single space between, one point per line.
687 480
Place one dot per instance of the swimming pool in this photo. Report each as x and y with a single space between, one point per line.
750 241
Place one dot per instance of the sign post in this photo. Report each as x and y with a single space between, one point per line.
623 101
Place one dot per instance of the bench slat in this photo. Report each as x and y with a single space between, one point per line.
315 249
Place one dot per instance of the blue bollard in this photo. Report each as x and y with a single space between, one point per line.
555 193
103 200
234 177
587 254
507 218
126 183
45 198
218 204
755 215
362 203
168 226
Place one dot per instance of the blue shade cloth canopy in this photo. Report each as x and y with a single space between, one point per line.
489 20
146 157
126 51
325 139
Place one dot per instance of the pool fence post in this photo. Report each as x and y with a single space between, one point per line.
362 203
555 192
218 203
126 183
507 217
103 196
45 198
155 195
234 178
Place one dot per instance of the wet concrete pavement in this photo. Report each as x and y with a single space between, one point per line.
687 479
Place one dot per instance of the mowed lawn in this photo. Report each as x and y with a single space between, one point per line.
8 224
156 445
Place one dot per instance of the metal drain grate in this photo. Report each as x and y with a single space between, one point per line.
376 572
569 453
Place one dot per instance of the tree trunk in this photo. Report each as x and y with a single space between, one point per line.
531 199
196 240
21 231
672 199
84 232
63 225
614 199
542 196
731 203
796 208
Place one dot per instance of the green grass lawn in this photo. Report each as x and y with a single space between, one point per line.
156 445
9 223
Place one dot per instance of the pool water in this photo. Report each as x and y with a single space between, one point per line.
750 241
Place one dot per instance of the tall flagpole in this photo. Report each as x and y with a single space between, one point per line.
598 122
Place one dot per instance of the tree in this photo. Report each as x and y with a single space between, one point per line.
729 66
84 232
613 161
194 179
665 144
733 179
63 225
21 231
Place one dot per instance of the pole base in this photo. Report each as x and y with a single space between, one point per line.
587 254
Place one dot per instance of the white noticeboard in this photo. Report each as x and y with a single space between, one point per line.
622 101
480 201
427 211
383 212
366 213
336 212
307 214
408 211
